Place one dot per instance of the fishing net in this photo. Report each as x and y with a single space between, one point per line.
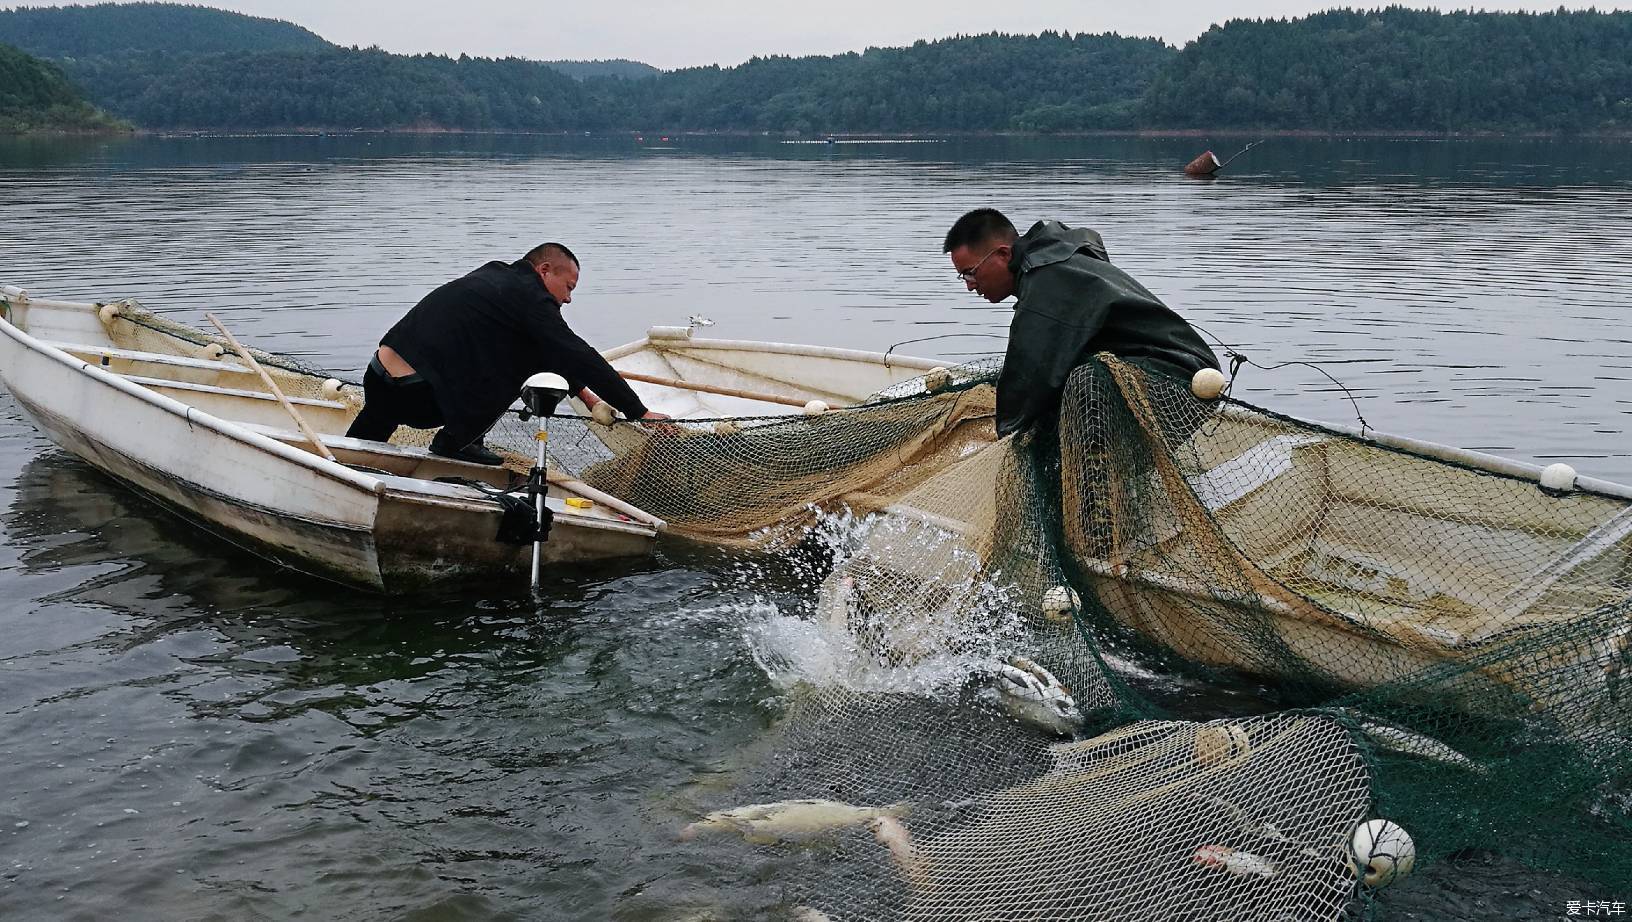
1161 657
135 328
1009 713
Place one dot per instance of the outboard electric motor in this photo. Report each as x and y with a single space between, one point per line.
539 395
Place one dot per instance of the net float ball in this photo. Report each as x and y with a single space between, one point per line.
726 427
331 388
1059 603
815 408
603 413
1558 476
1217 744
1381 852
108 313
1207 383
936 378
214 350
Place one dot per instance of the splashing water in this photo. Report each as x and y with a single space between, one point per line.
853 623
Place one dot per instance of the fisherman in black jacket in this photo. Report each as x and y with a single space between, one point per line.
460 356
1072 304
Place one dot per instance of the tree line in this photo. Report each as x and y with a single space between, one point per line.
1392 69
36 96
1400 69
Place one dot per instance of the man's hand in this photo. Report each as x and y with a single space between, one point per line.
660 422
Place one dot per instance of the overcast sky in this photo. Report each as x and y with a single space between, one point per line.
671 34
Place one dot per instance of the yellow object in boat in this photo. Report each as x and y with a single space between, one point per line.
578 502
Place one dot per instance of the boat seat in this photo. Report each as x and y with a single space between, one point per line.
1607 535
397 460
1250 471
92 353
411 469
167 384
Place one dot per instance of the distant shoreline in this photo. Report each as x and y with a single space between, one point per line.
1196 133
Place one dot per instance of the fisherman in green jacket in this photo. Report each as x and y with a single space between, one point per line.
1072 304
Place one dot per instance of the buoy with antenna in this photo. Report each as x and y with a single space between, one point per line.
1208 164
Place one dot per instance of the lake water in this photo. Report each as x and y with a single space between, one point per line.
188 732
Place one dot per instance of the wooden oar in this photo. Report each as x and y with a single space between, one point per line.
714 389
273 387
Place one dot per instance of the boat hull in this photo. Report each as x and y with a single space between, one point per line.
251 487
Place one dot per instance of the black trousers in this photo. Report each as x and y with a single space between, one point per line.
391 402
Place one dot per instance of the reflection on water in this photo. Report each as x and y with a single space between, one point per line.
190 729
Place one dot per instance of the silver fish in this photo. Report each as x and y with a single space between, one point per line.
789 820
1408 742
1032 695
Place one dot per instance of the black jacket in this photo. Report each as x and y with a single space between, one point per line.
477 338
1072 304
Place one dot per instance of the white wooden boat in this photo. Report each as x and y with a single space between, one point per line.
693 377
1367 565
196 430
768 433
792 374
1355 561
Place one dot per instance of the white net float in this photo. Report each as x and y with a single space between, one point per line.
1559 476
1208 383
1381 852
1217 744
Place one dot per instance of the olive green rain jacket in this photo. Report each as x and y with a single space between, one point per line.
1072 304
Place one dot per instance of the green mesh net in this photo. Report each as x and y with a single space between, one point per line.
1446 649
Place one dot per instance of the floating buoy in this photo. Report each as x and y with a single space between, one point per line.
1059 603
1220 743
1208 163
815 408
726 427
936 378
1381 852
1559 476
1207 383
603 413
108 313
331 388
214 351
1205 165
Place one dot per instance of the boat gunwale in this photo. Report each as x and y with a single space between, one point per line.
190 414
1465 457
676 344
1477 460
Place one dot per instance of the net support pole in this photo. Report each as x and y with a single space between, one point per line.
272 385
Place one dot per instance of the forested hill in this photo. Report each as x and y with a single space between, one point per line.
978 83
119 28
994 82
1401 69
1393 69
613 67
34 96
341 89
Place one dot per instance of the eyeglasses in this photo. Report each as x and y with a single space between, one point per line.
968 275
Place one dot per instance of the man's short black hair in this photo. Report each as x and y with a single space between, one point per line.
547 251
979 226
